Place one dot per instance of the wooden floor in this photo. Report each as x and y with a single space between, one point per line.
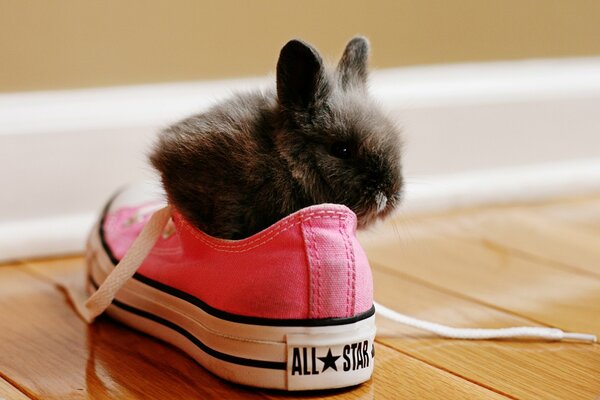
493 267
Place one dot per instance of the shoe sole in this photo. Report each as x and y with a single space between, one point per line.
268 353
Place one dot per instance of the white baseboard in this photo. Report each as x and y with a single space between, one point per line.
503 186
475 133
66 234
41 237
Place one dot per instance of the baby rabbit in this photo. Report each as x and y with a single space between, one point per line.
257 157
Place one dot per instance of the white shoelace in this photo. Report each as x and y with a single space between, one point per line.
137 253
478 333
139 250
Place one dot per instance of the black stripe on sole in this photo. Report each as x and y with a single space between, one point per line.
309 322
208 350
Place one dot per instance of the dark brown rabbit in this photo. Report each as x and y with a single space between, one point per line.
257 157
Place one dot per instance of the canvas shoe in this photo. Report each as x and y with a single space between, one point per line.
288 308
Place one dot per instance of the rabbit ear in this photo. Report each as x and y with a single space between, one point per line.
300 75
352 69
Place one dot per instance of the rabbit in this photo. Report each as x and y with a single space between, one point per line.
316 138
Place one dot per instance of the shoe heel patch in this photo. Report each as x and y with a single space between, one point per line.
327 361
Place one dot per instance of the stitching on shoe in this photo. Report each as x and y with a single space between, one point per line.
342 234
308 236
262 239
278 228
352 269
317 297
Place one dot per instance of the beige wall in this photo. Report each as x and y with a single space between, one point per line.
84 43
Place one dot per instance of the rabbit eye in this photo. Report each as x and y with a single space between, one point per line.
341 150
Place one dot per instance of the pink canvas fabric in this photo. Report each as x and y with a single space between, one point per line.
308 265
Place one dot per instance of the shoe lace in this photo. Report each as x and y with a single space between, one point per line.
479 333
139 250
124 270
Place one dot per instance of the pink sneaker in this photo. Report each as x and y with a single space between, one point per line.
289 308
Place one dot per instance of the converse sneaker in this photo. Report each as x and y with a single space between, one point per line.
288 308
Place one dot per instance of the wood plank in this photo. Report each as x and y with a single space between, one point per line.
584 214
9 392
464 269
538 236
518 368
51 353
396 375
445 254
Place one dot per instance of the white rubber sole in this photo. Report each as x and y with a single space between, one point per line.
286 355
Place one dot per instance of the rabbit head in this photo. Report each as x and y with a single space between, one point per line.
339 145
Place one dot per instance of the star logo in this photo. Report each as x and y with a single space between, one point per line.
329 361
